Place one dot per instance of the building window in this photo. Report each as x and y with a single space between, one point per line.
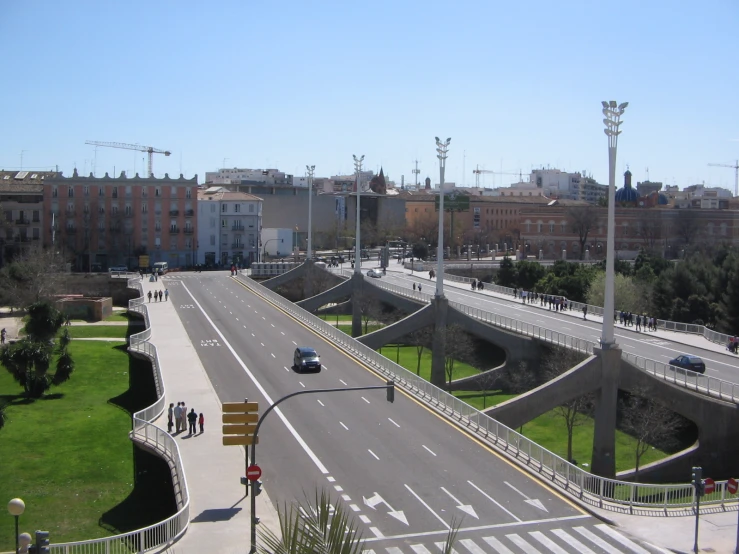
144 208
86 208
212 208
188 193
36 233
115 192
101 209
157 191
128 209
70 192
86 190
36 215
157 225
54 193
538 227
212 240
212 222
251 208
251 241
223 223
101 192
237 208
224 208
723 229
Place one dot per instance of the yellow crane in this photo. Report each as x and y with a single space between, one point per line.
148 149
735 167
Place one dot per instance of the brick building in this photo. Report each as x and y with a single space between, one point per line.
108 221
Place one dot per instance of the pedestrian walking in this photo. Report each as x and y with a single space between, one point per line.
166 294
585 312
638 322
201 421
2 336
192 419
414 286
177 412
183 417
160 295
149 295
170 417
419 287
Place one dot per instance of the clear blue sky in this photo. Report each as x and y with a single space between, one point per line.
284 84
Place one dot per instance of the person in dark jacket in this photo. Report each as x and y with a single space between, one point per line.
192 419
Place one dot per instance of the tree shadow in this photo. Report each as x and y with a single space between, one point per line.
141 388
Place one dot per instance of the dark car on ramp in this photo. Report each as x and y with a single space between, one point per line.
306 359
692 363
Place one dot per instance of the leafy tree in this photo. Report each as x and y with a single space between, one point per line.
730 300
529 273
420 251
648 422
506 275
29 359
582 219
629 294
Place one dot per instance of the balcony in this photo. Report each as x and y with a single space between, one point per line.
23 221
188 230
174 213
128 214
237 227
174 230
238 246
190 213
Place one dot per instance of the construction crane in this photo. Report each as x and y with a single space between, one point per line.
149 149
735 167
477 171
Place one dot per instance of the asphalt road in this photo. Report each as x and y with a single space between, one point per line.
401 470
722 366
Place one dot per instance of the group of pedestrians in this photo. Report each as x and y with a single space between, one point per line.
158 295
640 322
182 420
477 284
417 286
557 303
733 345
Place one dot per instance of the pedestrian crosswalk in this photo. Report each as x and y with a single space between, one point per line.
581 540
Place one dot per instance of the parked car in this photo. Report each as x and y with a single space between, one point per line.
306 358
692 363
374 273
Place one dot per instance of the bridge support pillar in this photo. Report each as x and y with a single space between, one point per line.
604 435
438 354
308 276
357 282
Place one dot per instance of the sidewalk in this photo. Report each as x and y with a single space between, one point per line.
219 512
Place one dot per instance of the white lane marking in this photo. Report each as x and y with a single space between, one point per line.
498 504
275 357
295 343
499 547
346 498
261 343
444 523
338 488
237 319
549 543
441 545
592 537
260 388
355 508
264 318
391 421
330 479
321 403
302 384
342 382
375 455
572 541
253 335
470 545
615 535
393 550
286 368
244 326
282 333
344 426
377 533
420 549
230 312
427 448
364 519
520 542
367 401
272 324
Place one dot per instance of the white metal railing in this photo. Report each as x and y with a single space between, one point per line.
610 494
148 435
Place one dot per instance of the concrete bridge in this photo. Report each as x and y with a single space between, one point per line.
603 373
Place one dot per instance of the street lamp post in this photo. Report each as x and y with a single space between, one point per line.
613 113
357 248
311 169
16 507
441 148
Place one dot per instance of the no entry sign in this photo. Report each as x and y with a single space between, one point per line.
731 486
708 485
253 473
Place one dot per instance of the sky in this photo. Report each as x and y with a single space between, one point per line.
283 84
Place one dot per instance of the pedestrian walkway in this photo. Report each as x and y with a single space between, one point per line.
219 512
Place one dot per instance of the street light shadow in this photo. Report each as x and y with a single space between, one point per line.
216 514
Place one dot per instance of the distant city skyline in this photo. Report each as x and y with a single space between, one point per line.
517 87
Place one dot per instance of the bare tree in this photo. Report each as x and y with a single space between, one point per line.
575 411
520 379
648 422
649 229
459 347
582 219
687 226
369 308
487 381
422 339
35 275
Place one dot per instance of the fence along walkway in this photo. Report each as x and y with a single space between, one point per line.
162 444
609 494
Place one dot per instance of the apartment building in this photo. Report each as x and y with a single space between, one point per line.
230 227
100 222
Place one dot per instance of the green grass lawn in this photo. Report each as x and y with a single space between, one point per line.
348 328
104 331
122 316
333 317
407 356
68 454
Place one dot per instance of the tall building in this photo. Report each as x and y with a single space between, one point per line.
230 227
231 176
108 221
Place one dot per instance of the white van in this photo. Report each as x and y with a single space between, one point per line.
161 268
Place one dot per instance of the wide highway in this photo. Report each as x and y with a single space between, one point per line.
402 471
660 348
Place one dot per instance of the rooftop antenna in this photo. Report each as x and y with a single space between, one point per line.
415 173
22 151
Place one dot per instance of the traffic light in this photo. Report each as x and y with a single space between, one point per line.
390 391
42 542
698 480
256 487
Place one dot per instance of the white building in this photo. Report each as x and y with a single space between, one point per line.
234 176
553 183
229 227
278 242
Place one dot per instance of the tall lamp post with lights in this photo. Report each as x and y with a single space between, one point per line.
311 170
441 149
16 507
357 247
613 113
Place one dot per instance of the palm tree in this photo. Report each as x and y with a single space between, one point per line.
321 528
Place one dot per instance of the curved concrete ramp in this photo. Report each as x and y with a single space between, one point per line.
294 273
418 320
404 304
339 292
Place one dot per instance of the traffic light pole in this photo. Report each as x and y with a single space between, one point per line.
390 387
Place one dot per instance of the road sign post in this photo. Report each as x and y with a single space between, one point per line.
239 423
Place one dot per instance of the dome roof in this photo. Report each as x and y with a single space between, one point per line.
662 200
627 194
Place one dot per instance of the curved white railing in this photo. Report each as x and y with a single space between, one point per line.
152 437
610 494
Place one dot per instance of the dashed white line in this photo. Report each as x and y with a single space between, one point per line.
283 333
301 384
253 335
321 403
391 421
261 343
237 319
272 324
295 343
354 507
377 532
344 426
330 479
338 488
286 368
275 357
375 455
367 401
343 382
427 448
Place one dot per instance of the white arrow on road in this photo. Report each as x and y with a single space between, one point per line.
466 508
533 501
377 499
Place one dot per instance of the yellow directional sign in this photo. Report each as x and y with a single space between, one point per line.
239 418
239 440
243 407
239 429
